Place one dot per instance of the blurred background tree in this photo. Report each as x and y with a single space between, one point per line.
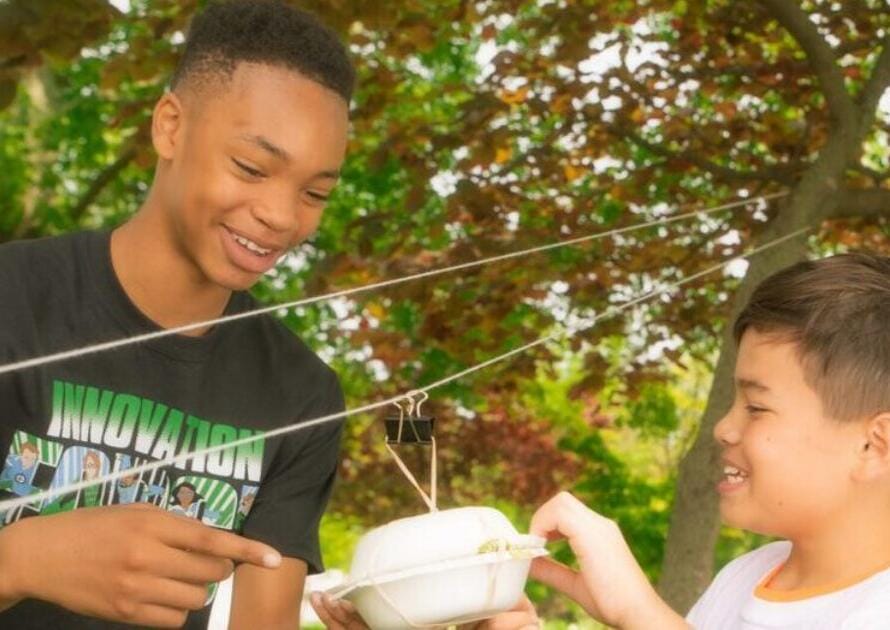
490 126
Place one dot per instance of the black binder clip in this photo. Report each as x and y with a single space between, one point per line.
411 426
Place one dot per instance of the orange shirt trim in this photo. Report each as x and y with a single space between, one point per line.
763 590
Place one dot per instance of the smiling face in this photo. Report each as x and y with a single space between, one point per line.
787 467
90 466
28 458
245 169
185 496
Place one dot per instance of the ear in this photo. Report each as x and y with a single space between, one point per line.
874 449
166 125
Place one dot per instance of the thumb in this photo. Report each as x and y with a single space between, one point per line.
560 577
554 574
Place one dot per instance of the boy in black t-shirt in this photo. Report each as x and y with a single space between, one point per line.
250 140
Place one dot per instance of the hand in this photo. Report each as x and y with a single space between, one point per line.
522 617
341 615
136 563
336 614
610 586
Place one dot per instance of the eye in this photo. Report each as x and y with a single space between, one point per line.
754 410
248 170
320 197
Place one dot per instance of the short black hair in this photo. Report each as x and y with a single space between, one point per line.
263 31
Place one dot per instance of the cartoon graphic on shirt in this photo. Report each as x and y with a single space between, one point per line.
93 431
29 468
142 487
211 501
186 501
19 471
248 494
79 463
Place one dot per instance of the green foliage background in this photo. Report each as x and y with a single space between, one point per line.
473 135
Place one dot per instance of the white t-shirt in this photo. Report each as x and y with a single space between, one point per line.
734 602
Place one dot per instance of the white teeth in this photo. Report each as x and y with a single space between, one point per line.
733 474
256 249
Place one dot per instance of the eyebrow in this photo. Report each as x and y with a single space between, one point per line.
276 151
746 383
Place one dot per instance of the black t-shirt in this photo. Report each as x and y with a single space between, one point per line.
108 411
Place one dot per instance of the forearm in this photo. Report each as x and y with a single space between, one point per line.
11 580
654 613
267 598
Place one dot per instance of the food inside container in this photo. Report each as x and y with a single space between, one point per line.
438 569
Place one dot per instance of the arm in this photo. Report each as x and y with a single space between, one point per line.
268 598
610 586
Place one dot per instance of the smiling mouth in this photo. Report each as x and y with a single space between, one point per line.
733 475
250 246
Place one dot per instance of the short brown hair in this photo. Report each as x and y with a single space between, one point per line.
837 311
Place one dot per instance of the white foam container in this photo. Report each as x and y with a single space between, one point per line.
439 569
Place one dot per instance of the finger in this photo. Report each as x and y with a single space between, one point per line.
343 612
510 621
525 604
554 574
559 517
562 578
336 614
323 613
169 593
191 566
192 535
156 616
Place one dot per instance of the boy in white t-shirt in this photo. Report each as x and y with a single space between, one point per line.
805 456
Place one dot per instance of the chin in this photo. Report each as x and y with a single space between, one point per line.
240 284
748 523
234 280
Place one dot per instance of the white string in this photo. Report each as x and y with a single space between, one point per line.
110 345
178 461
429 499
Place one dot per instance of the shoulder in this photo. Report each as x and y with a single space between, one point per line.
45 249
870 601
25 263
736 581
36 279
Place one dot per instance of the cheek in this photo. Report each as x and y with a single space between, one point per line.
207 190
309 220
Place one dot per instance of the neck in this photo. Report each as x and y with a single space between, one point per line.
851 546
158 276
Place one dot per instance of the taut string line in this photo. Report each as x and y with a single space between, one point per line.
118 343
179 460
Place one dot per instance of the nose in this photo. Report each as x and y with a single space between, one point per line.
728 429
278 211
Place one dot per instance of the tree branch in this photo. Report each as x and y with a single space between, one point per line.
820 56
855 45
877 84
102 180
876 176
866 204
776 173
